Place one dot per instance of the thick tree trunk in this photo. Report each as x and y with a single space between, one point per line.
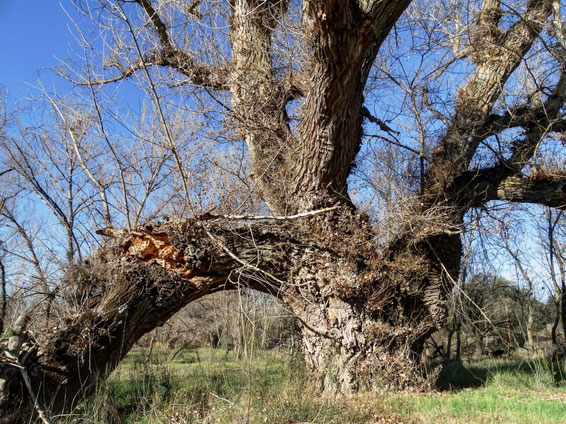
364 316
349 353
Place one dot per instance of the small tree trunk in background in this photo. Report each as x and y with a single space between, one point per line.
563 308
529 326
478 343
459 341
449 345
557 300
554 328
509 333
3 299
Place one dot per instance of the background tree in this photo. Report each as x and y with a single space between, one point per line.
551 233
304 85
498 316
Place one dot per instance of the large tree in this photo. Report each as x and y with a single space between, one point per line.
366 302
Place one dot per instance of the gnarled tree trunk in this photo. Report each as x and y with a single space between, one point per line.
364 316
364 313
365 310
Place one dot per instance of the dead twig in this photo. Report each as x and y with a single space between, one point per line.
274 217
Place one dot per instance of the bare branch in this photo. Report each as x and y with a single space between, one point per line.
533 118
158 24
5 171
496 55
542 187
549 190
276 218
382 125
214 78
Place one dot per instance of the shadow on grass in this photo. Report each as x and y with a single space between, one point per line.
477 373
456 375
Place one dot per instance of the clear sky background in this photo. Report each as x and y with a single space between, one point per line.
33 34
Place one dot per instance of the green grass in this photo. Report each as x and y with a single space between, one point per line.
492 404
490 391
211 386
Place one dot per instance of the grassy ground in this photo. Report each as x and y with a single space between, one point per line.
212 386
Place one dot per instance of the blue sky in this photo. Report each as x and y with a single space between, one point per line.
34 34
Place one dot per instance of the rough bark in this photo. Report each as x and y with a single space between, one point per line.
496 54
258 99
344 40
